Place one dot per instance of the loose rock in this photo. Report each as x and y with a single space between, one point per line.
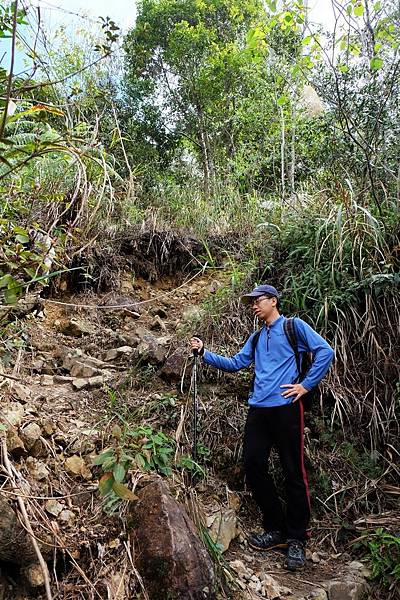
241 569
12 414
223 528
319 594
346 590
67 517
34 575
30 434
15 544
76 328
89 382
53 507
76 466
272 588
37 469
116 353
171 558
174 366
14 443
24 393
82 369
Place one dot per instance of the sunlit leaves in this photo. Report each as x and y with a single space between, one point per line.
376 63
271 5
359 10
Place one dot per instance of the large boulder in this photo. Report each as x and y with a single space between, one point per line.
171 558
15 544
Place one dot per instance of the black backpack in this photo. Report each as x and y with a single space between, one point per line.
303 359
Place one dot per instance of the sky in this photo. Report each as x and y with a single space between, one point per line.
75 14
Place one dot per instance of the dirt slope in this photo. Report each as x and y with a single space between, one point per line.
67 346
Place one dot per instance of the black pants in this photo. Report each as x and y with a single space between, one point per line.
281 427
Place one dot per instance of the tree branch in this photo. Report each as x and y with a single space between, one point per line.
10 76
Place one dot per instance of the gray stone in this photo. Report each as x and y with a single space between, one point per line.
77 328
67 517
82 370
37 469
12 414
116 353
53 507
30 434
346 589
89 382
255 585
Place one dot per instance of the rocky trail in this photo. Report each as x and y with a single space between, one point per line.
82 380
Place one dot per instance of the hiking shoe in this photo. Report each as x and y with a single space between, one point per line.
296 555
267 541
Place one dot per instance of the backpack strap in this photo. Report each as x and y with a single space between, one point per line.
254 343
289 328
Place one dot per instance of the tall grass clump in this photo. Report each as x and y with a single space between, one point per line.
337 264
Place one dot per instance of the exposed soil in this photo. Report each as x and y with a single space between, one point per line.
89 553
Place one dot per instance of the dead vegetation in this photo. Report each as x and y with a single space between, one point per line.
92 555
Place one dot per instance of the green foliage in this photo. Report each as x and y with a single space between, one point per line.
334 253
217 66
139 448
193 467
152 449
384 556
366 462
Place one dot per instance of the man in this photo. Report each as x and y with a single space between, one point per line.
275 418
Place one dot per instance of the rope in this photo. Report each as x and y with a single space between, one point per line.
119 306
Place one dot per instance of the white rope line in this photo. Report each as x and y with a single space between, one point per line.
120 306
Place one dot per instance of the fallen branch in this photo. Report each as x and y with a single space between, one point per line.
10 377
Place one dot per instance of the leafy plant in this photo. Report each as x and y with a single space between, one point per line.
115 463
139 448
384 556
186 462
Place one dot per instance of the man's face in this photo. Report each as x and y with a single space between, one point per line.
263 307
